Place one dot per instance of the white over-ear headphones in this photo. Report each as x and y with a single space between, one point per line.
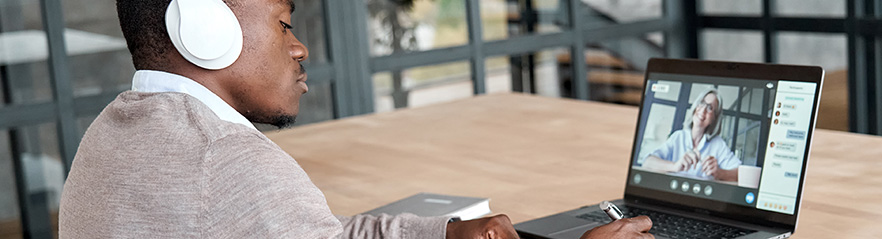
205 32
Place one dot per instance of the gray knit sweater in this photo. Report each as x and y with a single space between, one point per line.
163 165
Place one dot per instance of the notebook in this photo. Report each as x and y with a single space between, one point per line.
720 151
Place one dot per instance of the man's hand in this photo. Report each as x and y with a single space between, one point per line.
635 227
495 227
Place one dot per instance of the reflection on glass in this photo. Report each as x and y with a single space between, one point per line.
728 7
421 86
830 52
38 154
616 68
826 50
732 45
497 74
537 72
309 26
494 19
23 53
99 61
623 11
813 8
502 18
9 210
83 123
415 25
2 90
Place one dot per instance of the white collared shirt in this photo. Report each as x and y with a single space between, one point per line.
158 81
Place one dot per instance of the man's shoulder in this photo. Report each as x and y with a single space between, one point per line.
172 110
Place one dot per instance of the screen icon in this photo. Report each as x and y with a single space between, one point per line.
749 198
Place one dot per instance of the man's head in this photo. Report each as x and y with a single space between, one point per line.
264 84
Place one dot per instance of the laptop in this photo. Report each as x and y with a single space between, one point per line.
753 121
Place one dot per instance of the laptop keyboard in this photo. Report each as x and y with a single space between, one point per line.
672 226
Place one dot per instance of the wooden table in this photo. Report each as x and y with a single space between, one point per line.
534 156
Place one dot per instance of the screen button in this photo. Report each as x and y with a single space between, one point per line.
749 198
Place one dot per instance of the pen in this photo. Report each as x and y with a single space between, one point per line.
611 210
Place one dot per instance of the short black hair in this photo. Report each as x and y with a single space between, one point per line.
143 25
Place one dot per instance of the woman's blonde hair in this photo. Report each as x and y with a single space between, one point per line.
714 126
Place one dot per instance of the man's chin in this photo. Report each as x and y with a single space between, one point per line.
283 121
279 120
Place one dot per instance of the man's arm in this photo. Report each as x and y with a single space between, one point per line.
389 226
411 226
261 191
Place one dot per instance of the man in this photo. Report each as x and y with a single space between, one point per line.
177 157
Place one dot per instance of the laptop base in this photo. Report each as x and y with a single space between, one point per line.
574 223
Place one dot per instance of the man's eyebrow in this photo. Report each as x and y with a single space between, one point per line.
291 3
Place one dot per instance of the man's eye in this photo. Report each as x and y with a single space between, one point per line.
285 26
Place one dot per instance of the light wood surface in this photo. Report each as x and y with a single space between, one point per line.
534 156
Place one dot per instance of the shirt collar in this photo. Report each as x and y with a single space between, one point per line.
701 143
158 81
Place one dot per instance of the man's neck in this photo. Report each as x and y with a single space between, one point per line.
211 80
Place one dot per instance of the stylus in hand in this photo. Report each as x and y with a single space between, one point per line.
611 210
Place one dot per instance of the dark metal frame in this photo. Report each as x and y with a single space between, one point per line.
862 27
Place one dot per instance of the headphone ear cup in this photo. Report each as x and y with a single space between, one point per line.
205 32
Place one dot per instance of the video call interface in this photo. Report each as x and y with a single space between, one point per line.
739 141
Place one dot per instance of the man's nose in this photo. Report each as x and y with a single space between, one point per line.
299 52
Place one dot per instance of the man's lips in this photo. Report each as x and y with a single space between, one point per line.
302 80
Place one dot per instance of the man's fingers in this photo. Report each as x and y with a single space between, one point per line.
502 219
503 227
640 223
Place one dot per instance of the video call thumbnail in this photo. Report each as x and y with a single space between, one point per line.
703 131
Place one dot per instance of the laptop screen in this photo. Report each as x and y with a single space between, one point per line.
731 140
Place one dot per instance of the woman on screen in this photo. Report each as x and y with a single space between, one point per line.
697 149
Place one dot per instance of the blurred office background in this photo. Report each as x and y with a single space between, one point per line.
61 62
